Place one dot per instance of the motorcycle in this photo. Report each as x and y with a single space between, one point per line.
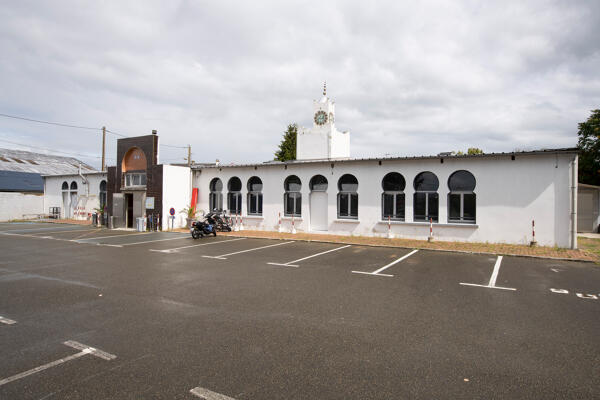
201 228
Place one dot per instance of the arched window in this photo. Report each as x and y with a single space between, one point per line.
234 195
102 195
425 200
65 186
292 198
347 197
255 197
461 199
318 183
392 199
74 186
215 198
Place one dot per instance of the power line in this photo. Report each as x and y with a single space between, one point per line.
50 123
52 150
80 127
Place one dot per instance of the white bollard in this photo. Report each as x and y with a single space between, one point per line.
430 238
293 226
390 235
241 228
280 229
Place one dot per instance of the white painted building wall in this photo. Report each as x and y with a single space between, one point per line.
177 194
17 205
510 194
87 195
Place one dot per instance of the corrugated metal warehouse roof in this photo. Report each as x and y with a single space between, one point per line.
25 161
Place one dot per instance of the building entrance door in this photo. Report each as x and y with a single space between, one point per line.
129 214
318 211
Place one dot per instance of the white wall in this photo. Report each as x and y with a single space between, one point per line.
53 194
176 194
14 205
510 194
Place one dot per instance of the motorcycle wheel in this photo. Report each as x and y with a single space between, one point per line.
196 234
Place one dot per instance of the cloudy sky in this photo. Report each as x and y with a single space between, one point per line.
408 77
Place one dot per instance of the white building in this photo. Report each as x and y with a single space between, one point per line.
475 198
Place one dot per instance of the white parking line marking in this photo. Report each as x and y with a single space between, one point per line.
377 272
84 350
41 230
123 235
157 240
65 231
291 263
492 283
175 249
209 395
223 256
7 321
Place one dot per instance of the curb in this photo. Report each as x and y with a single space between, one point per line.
420 248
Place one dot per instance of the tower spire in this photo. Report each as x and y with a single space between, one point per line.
325 88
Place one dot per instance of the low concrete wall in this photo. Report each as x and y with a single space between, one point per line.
15 205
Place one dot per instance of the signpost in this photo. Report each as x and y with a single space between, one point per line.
172 213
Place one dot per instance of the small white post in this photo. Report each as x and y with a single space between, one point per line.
293 226
430 238
279 229
241 228
235 226
533 242
390 235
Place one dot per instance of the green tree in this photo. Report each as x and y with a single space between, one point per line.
470 151
287 147
589 147
474 150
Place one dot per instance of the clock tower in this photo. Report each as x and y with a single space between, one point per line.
322 141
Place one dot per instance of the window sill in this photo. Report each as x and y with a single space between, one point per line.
290 218
253 217
129 188
436 224
350 220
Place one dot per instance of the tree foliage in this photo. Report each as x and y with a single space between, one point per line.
589 147
287 147
470 151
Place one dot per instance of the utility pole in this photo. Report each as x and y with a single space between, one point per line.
189 158
103 148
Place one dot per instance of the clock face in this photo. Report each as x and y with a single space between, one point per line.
320 117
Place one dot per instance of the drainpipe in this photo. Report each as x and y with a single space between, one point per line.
574 166
85 182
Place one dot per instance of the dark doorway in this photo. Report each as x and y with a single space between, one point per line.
129 202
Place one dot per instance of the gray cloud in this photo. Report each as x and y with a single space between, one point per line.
408 78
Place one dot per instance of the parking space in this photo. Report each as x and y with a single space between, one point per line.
247 318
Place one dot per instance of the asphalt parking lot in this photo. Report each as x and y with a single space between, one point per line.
97 314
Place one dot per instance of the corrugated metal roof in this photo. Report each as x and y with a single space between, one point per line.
338 160
25 161
15 181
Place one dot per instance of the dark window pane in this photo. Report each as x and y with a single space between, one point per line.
298 198
143 179
419 206
289 203
259 210
234 184
292 184
461 181
318 183
254 184
469 207
348 183
393 182
388 205
354 205
216 185
343 204
426 181
433 206
399 206
252 203
454 206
